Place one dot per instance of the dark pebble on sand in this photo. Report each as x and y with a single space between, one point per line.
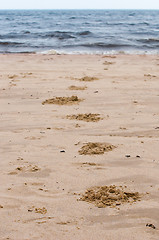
150 225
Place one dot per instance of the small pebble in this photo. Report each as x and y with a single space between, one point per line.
150 225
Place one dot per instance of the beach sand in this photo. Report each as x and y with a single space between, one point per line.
45 170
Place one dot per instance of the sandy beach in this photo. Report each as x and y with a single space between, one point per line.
79 147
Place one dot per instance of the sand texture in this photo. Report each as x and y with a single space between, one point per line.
109 196
86 79
87 117
92 148
62 100
73 87
79 147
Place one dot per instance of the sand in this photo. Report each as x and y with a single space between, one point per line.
62 100
49 190
72 87
112 196
87 117
92 148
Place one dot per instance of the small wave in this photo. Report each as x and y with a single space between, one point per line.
72 18
114 23
144 23
104 45
26 32
84 33
60 35
15 35
10 43
9 36
149 40
131 14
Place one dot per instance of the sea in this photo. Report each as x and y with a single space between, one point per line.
79 31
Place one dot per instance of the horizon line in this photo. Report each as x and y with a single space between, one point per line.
134 9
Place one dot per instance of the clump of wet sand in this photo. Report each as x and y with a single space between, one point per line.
29 168
109 56
87 117
112 196
77 88
42 210
90 164
108 63
91 148
87 79
63 100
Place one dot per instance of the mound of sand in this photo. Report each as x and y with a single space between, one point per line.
95 148
77 88
87 117
30 168
42 210
62 100
88 79
109 196
90 164
108 63
25 169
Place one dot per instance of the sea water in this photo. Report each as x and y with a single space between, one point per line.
79 31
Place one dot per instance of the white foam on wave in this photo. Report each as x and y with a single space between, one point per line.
50 52
110 52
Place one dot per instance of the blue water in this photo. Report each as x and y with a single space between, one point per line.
79 31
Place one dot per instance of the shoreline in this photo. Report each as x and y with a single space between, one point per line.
52 106
56 53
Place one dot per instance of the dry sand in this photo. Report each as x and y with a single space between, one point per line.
44 177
